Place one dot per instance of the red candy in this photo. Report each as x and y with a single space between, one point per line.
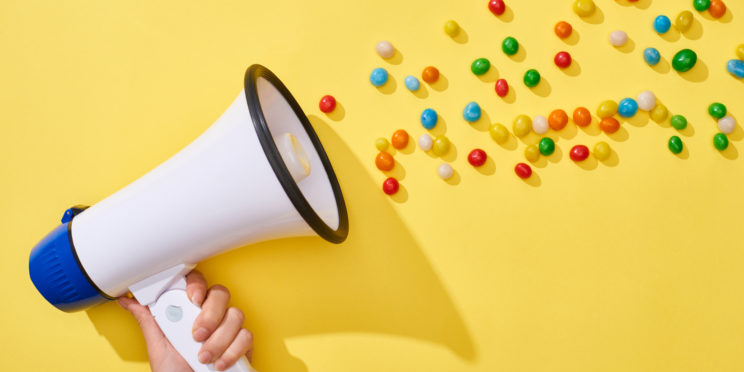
523 170
579 153
502 87
477 157
390 186
327 104
562 59
497 7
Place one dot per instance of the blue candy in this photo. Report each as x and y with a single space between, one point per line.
627 107
652 56
662 24
472 112
412 83
378 77
736 67
429 118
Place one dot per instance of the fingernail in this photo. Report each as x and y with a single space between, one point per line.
220 365
205 357
201 334
196 296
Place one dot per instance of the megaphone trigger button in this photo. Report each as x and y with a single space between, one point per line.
173 313
71 212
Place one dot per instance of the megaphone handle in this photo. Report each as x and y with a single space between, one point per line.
175 314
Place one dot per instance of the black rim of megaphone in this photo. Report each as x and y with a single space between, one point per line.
277 164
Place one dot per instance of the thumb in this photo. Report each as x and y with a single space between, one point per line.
147 324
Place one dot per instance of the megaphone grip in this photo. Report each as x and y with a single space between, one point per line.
175 314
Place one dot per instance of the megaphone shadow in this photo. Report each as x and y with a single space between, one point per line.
378 281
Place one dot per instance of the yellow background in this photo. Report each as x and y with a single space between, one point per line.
634 264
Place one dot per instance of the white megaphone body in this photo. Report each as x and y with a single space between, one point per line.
258 173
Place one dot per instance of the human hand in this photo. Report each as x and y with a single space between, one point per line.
218 326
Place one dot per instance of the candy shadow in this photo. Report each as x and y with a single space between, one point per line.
410 146
642 4
396 59
695 32
685 154
389 87
482 124
726 18
568 132
738 133
730 153
556 156
590 163
338 114
511 96
689 131
451 154
572 39
534 180
613 160
541 162
441 84
596 18
629 47
662 67
543 89
697 74
441 127
455 179
422 92
671 36
592 129
490 76
398 172
640 119
510 143
520 55
573 70
488 168
508 15
461 37
401 196
621 135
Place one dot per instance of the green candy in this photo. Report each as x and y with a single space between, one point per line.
684 60
720 141
701 5
678 122
480 66
717 110
531 78
546 146
675 145
510 46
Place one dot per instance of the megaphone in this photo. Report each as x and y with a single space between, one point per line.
258 173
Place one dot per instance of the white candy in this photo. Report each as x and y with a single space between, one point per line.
540 124
445 171
425 142
385 49
646 100
727 124
618 38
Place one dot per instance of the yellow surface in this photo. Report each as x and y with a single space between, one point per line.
630 265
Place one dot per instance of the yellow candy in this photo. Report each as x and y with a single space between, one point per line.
441 146
684 21
659 113
522 125
382 143
499 133
607 109
451 28
532 153
602 150
740 51
584 8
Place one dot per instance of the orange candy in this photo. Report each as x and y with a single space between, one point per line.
400 139
609 125
563 29
582 117
430 74
717 8
384 161
557 119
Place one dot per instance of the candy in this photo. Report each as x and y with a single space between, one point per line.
701 5
430 75
510 46
378 77
498 132
609 125
412 83
502 87
607 109
327 104
400 139
627 107
451 28
546 146
472 112
445 171
618 38
523 171
540 124
385 49
497 7
684 21
429 118
579 153
563 29
390 186
562 59
384 161
582 117
684 60
557 120
717 110
602 150
532 153
441 146
678 122
651 56
675 145
659 113
522 125
584 8
717 8
736 67
531 78
425 142
381 144
740 51
727 124
720 141
477 157
662 24
480 66
646 100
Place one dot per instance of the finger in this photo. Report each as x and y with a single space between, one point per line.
222 337
196 287
213 310
144 318
240 346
